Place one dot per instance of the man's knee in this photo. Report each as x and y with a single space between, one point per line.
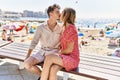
27 65
30 62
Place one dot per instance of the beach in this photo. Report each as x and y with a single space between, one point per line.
95 43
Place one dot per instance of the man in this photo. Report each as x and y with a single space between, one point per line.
48 34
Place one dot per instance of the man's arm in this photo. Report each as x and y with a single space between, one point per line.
34 41
29 53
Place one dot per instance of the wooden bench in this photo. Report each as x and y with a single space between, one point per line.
91 66
103 66
3 43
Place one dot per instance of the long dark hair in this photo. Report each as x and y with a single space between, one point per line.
69 16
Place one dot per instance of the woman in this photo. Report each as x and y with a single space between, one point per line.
68 56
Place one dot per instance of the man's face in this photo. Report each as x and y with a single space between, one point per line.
56 14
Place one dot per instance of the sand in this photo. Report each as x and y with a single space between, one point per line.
98 46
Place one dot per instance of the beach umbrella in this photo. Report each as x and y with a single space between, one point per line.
80 34
5 27
111 24
115 34
109 32
19 28
8 27
12 27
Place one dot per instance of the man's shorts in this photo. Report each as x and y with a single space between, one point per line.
40 55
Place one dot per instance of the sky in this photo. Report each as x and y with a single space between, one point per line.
84 8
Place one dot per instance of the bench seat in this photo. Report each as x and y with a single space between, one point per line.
91 65
3 43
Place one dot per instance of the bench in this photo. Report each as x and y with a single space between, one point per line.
91 65
107 65
3 43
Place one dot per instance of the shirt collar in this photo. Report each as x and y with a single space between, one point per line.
46 25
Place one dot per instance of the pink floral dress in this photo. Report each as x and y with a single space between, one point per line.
71 60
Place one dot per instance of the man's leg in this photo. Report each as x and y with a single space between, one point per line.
30 64
53 72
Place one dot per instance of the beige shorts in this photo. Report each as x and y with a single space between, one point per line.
40 55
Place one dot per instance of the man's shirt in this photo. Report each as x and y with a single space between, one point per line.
47 38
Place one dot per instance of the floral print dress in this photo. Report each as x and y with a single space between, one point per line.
71 60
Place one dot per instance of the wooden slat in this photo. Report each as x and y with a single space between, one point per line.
105 66
101 57
100 70
100 62
86 73
12 56
3 43
15 51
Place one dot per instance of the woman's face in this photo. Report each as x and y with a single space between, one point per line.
61 16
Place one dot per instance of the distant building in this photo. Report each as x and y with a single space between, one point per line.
46 15
39 14
9 14
26 13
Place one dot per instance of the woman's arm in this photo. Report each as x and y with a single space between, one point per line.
69 48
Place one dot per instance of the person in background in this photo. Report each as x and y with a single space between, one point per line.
4 35
68 56
48 34
102 33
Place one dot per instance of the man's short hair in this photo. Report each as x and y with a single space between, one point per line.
51 8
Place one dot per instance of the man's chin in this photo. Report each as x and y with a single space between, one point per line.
58 19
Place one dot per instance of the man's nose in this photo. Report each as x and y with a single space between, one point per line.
59 15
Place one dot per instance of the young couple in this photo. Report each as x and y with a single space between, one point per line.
59 44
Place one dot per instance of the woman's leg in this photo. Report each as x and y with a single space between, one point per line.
30 64
49 61
53 72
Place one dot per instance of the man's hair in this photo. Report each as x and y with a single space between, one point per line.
51 8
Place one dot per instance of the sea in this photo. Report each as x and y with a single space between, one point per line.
82 23
97 22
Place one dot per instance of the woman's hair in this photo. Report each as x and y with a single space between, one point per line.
51 8
69 16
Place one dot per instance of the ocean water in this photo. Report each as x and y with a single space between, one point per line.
82 23
96 23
